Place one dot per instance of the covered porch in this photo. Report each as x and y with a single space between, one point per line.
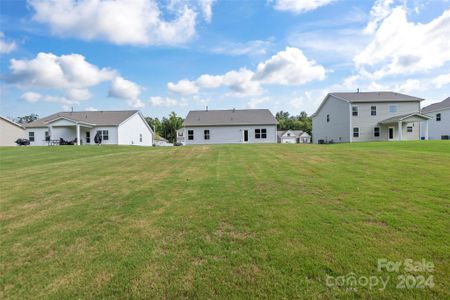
405 127
65 129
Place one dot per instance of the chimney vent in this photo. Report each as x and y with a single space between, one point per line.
234 109
357 90
207 108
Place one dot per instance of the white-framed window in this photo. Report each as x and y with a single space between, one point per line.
31 136
328 118
355 132
140 137
191 135
105 135
260 133
88 137
438 117
355 111
373 110
392 108
376 132
409 129
206 134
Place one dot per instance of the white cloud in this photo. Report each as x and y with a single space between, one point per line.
380 10
252 48
403 47
90 108
126 90
5 46
289 67
299 6
183 87
31 97
206 7
137 22
50 71
78 94
441 80
256 102
165 102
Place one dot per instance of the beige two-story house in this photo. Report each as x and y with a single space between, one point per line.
368 116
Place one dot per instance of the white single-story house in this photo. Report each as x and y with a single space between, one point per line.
439 125
180 136
293 137
368 116
126 127
252 126
10 131
162 142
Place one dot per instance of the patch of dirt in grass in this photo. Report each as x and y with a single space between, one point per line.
376 222
62 281
248 272
227 230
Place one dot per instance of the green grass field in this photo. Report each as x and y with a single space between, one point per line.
232 221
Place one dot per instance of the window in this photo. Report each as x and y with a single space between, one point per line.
264 133
373 110
88 137
206 134
444 137
140 137
392 108
260 133
31 136
355 111
438 117
376 131
328 118
191 135
47 136
105 135
355 132
257 133
409 129
288 134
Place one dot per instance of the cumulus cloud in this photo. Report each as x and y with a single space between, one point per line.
183 87
90 108
252 48
403 47
137 22
441 80
256 102
164 102
50 71
6 46
299 6
78 94
287 67
126 90
31 97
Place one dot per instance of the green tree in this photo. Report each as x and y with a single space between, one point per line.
27 119
167 127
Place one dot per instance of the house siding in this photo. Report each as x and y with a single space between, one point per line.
230 134
366 122
436 129
129 131
9 133
338 129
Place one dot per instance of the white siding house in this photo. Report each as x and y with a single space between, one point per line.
368 116
439 125
114 127
293 137
10 131
253 126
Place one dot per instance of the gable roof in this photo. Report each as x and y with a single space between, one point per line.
97 118
444 104
375 97
12 122
404 117
296 133
368 97
230 117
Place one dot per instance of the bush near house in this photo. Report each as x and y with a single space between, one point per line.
226 221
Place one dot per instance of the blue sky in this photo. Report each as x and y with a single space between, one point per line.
177 55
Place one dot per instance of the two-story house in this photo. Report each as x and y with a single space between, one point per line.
368 116
439 125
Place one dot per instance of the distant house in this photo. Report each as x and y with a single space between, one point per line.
368 116
439 125
180 136
10 131
252 126
162 142
113 127
293 137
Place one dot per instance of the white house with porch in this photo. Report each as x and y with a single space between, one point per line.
81 128
293 137
368 116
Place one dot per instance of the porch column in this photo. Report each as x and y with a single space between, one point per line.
426 130
400 131
78 134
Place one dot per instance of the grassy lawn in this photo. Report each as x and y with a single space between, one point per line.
232 221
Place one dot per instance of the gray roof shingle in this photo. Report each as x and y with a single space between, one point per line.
230 117
437 106
398 118
98 118
375 97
